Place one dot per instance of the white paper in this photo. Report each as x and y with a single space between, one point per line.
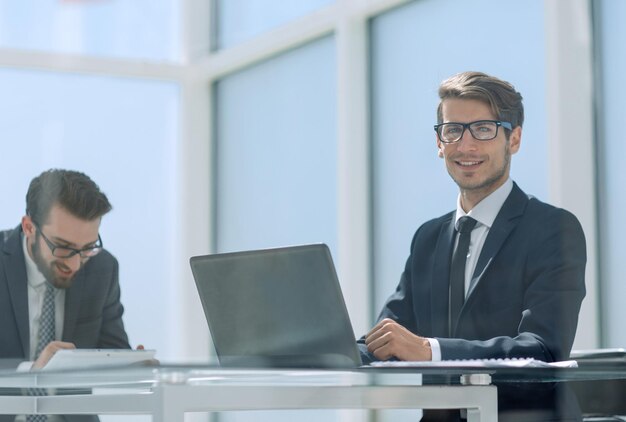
479 363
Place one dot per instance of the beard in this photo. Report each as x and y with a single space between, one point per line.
491 180
50 269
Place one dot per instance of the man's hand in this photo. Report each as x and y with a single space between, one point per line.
49 351
389 339
149 362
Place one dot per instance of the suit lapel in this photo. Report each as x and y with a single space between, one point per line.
441 277
505 222
72 306
15 270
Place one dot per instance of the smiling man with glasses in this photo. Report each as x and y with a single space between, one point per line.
59 288
502 276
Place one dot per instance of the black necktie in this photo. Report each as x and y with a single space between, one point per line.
457 272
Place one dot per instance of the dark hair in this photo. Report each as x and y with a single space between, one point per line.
72 190
505 102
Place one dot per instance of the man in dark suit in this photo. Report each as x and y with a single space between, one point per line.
522 278
56 257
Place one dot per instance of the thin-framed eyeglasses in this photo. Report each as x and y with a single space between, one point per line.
481 130
67 252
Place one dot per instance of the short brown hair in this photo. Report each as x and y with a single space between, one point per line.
505 102
72 190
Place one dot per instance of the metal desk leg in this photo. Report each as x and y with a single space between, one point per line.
488 410
168 402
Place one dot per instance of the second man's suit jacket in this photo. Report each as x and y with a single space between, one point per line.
524 296
93 311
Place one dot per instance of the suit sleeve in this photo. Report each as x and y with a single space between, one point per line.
398 307
553 281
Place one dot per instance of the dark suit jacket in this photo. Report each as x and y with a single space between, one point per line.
93 312
525 293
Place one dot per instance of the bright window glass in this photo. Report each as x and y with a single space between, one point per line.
122 133
611 33
240 20
276 151
137 29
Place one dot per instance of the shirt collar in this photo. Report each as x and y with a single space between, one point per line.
33 275
485 211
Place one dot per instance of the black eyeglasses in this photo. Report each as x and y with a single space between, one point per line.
67 252
481 130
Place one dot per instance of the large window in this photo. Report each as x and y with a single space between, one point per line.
138 29
611 48
237 21
276 152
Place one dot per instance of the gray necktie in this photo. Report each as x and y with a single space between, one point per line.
46 335
457 272
46 320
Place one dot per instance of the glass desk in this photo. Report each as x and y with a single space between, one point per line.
168 391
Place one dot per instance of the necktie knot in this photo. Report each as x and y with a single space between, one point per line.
466 224
49 289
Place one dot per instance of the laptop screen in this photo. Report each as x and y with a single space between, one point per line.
278 307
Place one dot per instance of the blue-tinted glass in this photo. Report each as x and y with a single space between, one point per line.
240 20
137 29
276 151
122 133
612 34
276 163
411 54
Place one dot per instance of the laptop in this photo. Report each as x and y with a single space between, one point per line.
276 308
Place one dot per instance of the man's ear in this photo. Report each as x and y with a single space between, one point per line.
515 139
28 227
439 148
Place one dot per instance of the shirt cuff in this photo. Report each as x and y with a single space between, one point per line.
435 349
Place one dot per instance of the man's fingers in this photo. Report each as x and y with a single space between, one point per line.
389 339
383 348
49 351
383 352
378 342
380 325
54 346
385 326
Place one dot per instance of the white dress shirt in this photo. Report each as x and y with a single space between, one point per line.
485 213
